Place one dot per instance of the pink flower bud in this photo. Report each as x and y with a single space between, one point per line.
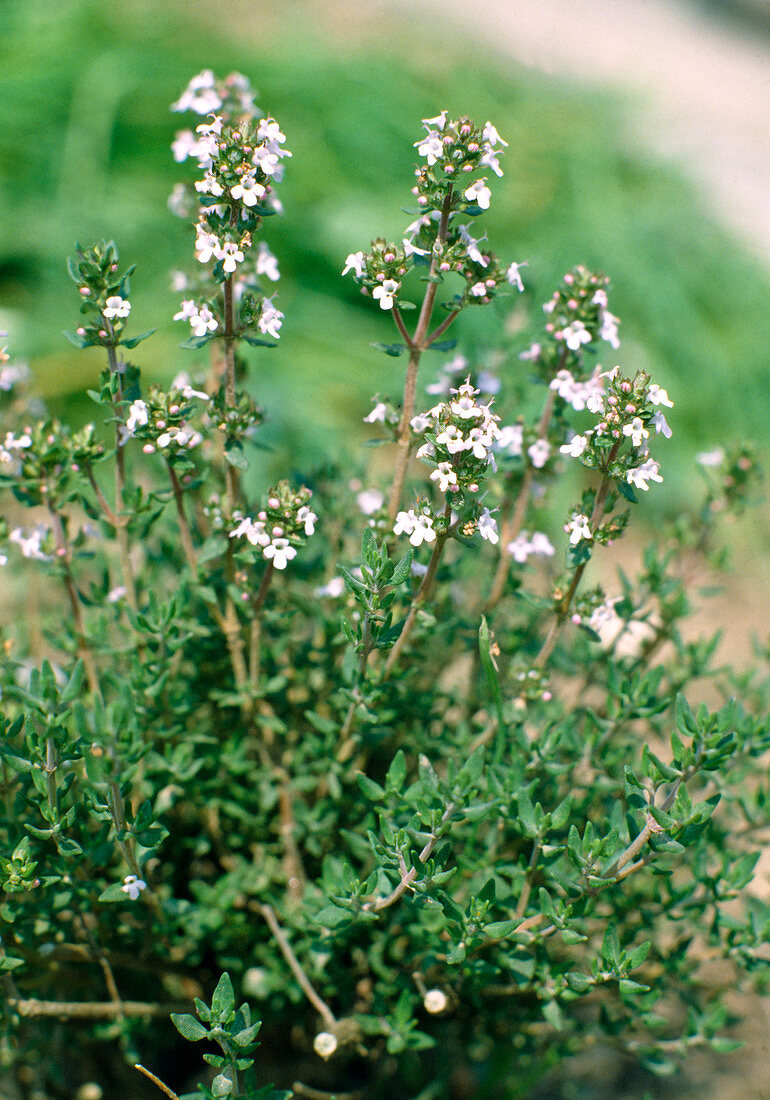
274 502
173 409
85 291
81 331
148 449
61 551
569 279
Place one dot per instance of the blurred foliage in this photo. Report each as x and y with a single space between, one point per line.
84 137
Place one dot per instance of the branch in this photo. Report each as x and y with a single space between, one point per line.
157 1081
295 966
90 1010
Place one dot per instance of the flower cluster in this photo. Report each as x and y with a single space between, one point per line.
162 419
241 155
419 526
279 528
525 546
453 150
103 297
459 437
628 409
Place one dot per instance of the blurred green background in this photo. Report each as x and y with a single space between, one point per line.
84 153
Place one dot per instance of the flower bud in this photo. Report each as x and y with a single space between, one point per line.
325 1044
435 1001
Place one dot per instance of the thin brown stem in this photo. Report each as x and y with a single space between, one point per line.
422 594
408 876
416 347
156 1081
64 555
320 1005
562 610
441 328
521 905
511 528
256 625
89 1010
119 520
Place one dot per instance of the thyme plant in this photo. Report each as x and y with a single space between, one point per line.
391 750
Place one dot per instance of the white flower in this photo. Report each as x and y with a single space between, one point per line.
658 396
423 530
138 416
430 147
491 135
187 311
711 458
636 430
280 552
661 425
472 245
333 588
420 422
133 886
513 275
576 446
270 319
419 528
206 246
184 145
199 95
453 439
248 190
575 335
539 452
209 185
412 250
307 517
541 545
370 501
478 290
254 530
488 527
325 1044
378 413
609 328
404 524
31 544
490 159
648 471
116 307
231 256
435 1001
445 476
267 263
479 193
181 382
437 123
355 263
510 439
466 408
386 293
578 529
116 594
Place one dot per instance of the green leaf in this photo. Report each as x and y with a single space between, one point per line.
397 771
256 341
553 1014
626 491
235 456
442 345
372 790
134 340
194 342
221 1085
391 349
188 1027
403 569
223 1001
8 962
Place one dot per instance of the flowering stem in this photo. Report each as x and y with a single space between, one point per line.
416 345
562 610
422 593
118 519
511 528
228 625
63 554
256 624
